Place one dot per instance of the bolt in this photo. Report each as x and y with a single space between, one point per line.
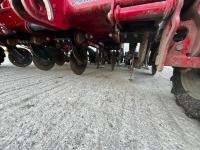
135 35
109 16
91 36
48 39
125 35
110 35
179 47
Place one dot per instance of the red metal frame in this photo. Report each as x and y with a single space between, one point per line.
185 53
9 19
184 57
99 19
66 16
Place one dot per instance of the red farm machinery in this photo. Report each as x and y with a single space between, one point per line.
54 29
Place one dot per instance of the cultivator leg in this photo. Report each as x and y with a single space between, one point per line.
142 51
113 60
131 68
131 58
146 60
152 58
100 57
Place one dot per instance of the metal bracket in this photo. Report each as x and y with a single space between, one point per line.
167 36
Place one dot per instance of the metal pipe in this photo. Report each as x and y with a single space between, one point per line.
125 3
144 12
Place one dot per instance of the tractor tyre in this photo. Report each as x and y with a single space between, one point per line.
186 88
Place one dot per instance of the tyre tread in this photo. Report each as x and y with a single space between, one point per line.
189 104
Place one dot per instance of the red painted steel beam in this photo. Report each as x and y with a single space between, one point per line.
182 61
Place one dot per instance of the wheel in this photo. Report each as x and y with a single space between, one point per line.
77 67
113 60
19 62
43 64
60 58
2 55
186 88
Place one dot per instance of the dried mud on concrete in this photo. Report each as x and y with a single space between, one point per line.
97 110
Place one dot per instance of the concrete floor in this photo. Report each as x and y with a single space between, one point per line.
97 110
